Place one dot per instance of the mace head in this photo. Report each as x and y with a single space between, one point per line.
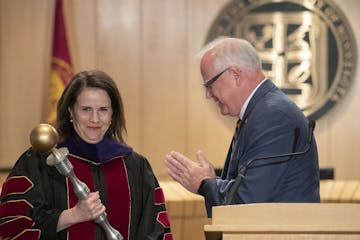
44 137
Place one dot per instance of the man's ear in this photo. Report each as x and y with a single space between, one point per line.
236 73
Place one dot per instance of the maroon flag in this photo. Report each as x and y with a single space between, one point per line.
61 68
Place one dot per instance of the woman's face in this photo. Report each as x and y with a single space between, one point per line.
92 113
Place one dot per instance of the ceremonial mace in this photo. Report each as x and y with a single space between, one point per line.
43 138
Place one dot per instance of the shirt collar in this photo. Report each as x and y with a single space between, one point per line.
246 103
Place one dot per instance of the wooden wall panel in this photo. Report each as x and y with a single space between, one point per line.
81 28
118 54
163 79
338 132
149 48
24 51
345 150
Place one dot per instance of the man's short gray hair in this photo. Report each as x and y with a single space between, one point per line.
232 51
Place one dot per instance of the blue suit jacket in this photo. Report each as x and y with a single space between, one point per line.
272 124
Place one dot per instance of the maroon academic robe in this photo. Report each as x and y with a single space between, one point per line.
35 194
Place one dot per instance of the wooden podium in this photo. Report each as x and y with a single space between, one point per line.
280 221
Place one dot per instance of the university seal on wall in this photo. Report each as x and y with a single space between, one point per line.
307 47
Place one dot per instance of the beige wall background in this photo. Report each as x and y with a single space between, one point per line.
149 48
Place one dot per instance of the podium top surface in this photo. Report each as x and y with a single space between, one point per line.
312 217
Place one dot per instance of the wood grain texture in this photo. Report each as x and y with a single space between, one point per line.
149 48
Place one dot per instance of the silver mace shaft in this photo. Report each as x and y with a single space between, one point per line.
58 158
43 138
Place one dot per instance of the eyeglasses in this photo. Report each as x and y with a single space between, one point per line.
209 82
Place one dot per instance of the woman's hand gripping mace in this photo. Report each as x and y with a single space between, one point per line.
43 138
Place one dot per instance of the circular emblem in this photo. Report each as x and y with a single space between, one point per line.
307 47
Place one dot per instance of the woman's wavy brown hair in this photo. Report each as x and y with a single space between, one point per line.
90 79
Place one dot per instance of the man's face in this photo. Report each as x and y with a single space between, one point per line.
221 86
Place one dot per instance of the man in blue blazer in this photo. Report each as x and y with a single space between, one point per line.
269 124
